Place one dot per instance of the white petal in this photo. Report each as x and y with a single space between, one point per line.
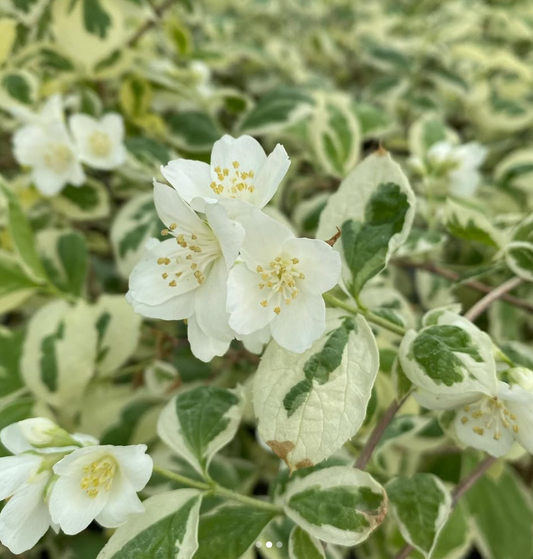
47 181
135 465
210 307
71 507
82 126
113 124
440 152
73 463
264 238
121 504
444 401
190 178
520 403
320 263
301 323
229 233
172 209
14 440
254 343
25 517
247 151
472 154
202 346
270 176
484 432
247 315
29 144
15 471
464 182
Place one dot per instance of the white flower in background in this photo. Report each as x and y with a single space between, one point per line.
100 143
184 277
46 147
239 170
491 421
23 480
280 283
99 482
460 164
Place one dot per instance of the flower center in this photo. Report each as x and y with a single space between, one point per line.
99 475
279 279
232 182
100 143
493 411
58 157
193 255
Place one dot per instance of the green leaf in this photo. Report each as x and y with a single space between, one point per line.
193 130
199 422
338 505
229 531
276 110
374 206
83 203
471 225
502 514
147 150
95 18
304 546
13 277
65 258
167 529
10 351
308 405
12 412
366 244
519 252
22 234
18 88
420 504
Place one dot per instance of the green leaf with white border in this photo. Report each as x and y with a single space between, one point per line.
199 422
276 110
230 530
310 404
501 513
420 504
303 545
519 252
427 131
59 353
469 224
339 505
15 284
118 329
335 134
83 203
451 356
168 528
10 351
64 256
18 87
22 235
374 207
135 224
516 169
193 130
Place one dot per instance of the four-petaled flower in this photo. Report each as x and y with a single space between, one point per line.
99 482
280 282
185 276
239 171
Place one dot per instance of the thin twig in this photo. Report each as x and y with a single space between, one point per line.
377 433
484 303
147 25
460 489
472 284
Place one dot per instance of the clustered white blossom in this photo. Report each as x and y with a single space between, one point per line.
54 149
55 479
227 267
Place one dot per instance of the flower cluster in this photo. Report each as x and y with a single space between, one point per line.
55 151
65 481
227 267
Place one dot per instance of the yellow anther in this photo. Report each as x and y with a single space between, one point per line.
302 276
220 177
241 186
166 262
264 303
497 436
513 417
160 260
478 430
295 261
466 408
235 164
251 188
217 170
164 275
477 414
294 294
515 428
277 259
180 238
195 248
198 274
164 232
261 285
506 411
251 174
259 269
194 266
464 419
277 310
505 423
194 237
264 276
288 301
179 274
173 283
226 172
172 226
188 257
270 284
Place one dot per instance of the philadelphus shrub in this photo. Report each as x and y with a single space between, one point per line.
266 279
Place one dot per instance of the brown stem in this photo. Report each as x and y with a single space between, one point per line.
472 284
158 12
377 433
484 303
460 489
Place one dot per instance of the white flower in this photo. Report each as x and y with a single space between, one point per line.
99 482
23 479
489 422
184 277
47 148
99 142
462 164
280 283
239 170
